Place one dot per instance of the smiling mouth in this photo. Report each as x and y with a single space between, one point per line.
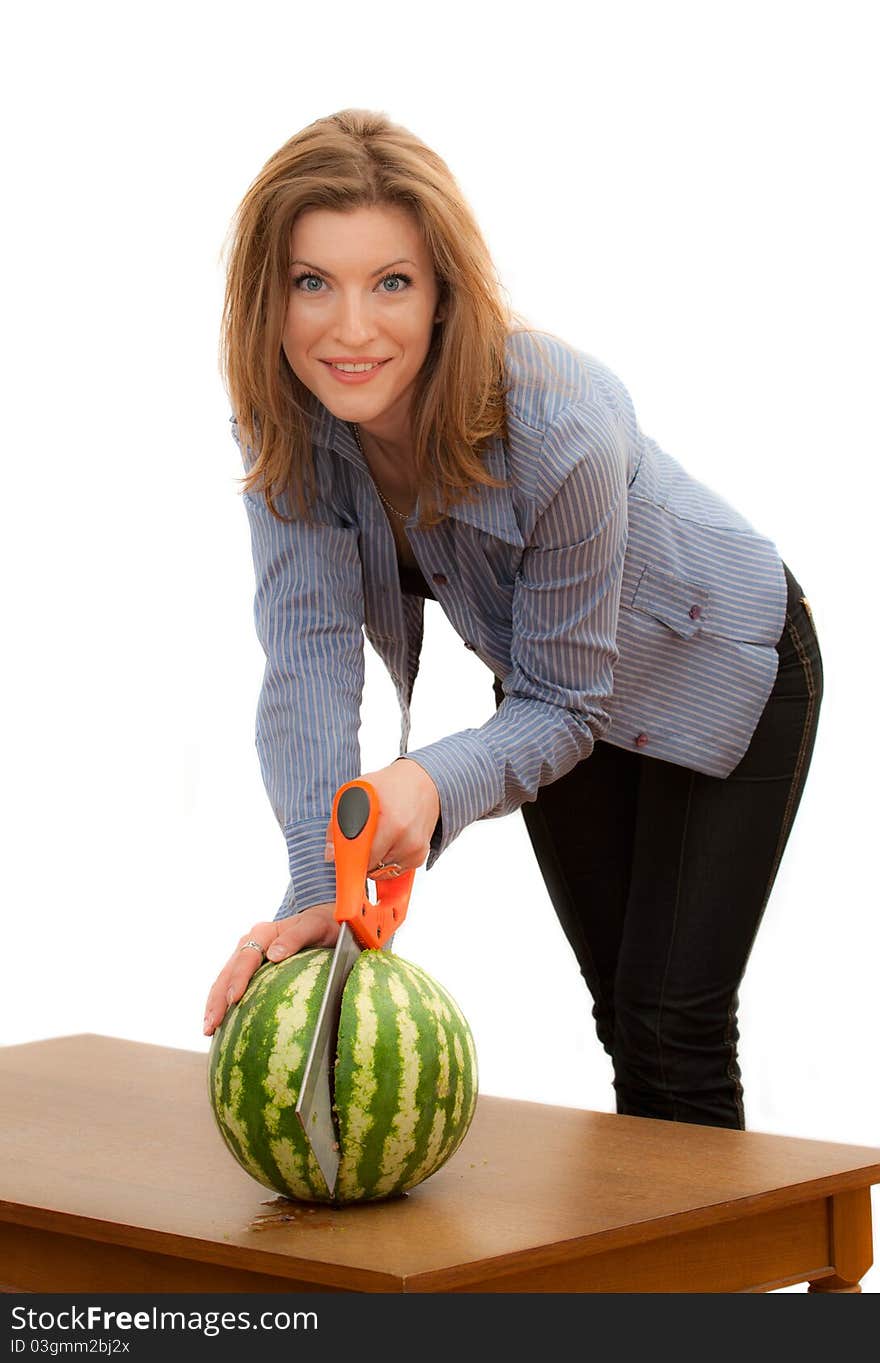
362 367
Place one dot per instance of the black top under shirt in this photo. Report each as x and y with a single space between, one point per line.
413 582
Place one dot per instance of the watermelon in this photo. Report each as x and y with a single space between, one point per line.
404 1077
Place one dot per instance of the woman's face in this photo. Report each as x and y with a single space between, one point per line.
362 288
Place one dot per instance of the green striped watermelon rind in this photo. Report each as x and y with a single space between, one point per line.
258 1121
404 1047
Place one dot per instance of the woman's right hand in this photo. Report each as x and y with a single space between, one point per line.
314 927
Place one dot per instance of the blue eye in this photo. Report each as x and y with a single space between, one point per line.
299 279
405 277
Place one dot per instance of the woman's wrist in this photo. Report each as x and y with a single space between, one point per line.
426 780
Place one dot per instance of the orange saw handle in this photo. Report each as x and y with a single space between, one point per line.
353 823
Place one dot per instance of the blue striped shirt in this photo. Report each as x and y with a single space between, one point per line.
618 598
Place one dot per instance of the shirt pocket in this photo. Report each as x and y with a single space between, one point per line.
681 605
488 566
497 557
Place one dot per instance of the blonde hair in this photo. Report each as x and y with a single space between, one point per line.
347 160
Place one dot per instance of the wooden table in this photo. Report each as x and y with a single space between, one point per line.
114 1178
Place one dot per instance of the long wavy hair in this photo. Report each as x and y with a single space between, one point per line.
347 160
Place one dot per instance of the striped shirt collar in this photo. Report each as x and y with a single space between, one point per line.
492 511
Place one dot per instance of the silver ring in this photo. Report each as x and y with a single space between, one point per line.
386 868
251 943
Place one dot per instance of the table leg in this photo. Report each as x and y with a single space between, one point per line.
849 1235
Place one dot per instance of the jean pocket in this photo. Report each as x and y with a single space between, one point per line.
800 621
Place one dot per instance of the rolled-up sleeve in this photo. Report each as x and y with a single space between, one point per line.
565 609
308 612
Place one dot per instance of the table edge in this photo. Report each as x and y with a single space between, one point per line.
324 1273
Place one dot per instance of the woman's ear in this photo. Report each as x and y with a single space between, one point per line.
440 310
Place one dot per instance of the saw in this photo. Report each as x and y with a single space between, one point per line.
365 925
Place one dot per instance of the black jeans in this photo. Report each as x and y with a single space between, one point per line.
662 902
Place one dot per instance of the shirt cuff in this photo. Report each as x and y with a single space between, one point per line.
312 879
468 780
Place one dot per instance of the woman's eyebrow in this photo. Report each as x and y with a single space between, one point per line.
318 270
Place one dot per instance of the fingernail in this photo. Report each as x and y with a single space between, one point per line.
229 994
277 951
209 1021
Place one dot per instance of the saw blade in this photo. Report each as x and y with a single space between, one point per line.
314 1106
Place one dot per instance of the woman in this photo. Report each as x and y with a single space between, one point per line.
657 674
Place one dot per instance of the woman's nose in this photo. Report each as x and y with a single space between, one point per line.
354 320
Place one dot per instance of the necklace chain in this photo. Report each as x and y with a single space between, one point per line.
401 515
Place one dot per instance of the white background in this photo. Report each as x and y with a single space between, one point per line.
683 190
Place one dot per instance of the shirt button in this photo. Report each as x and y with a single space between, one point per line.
641 740
440 579
694 612
468 644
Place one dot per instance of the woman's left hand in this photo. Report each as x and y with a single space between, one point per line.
409 807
